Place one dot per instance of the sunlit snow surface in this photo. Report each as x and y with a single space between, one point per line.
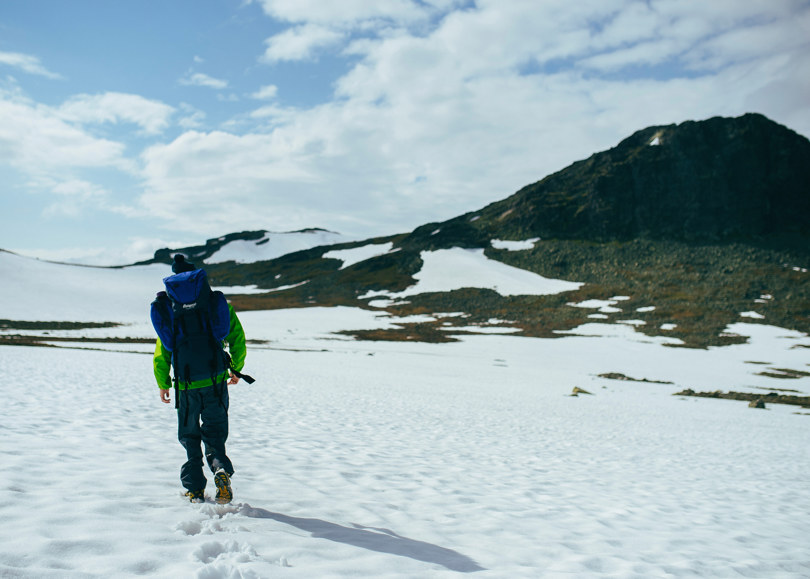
350 257
515 245
382 459
274 245
449 269
34 290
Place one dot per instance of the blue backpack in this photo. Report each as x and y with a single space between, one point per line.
192 321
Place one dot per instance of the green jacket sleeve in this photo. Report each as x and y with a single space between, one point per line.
236 342
162 363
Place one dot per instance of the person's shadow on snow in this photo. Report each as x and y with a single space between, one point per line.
372 538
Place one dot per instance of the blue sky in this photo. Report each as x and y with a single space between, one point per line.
132 125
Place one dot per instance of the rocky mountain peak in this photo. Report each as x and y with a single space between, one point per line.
713 180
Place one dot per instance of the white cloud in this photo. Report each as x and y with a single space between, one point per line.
200 79
26 63
78 188
72 196
55 158
267 92
751 43
699 36
427 126
785 92
648 53
299 43
275 115
223 179
321 24
341 13
39 141
192 117
152 116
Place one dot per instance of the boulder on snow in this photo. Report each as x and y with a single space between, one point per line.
756 404
577 391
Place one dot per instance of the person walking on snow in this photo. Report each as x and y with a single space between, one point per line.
202 404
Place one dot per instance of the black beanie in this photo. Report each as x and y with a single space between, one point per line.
180 264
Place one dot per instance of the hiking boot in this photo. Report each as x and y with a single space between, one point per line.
223 481
196 496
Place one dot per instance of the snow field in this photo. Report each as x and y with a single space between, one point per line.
399 459
410 460
34 290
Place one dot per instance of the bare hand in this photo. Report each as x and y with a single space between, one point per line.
234 379
165 395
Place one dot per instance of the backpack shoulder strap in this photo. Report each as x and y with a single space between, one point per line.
220 316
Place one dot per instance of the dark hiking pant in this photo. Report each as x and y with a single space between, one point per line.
202 418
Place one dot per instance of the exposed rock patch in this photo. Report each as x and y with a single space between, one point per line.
622 377
771 397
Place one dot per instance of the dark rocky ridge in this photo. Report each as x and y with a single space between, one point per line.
723 179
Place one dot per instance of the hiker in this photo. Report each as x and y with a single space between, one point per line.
192 323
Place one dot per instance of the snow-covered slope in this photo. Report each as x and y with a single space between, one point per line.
34 290
409 460
396 459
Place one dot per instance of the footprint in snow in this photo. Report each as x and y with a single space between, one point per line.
232 550
192 528
230 559
212 524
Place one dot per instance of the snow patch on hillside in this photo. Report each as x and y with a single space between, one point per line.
754 315
451 269
349 257
274 245
603 306
240 289
515 245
